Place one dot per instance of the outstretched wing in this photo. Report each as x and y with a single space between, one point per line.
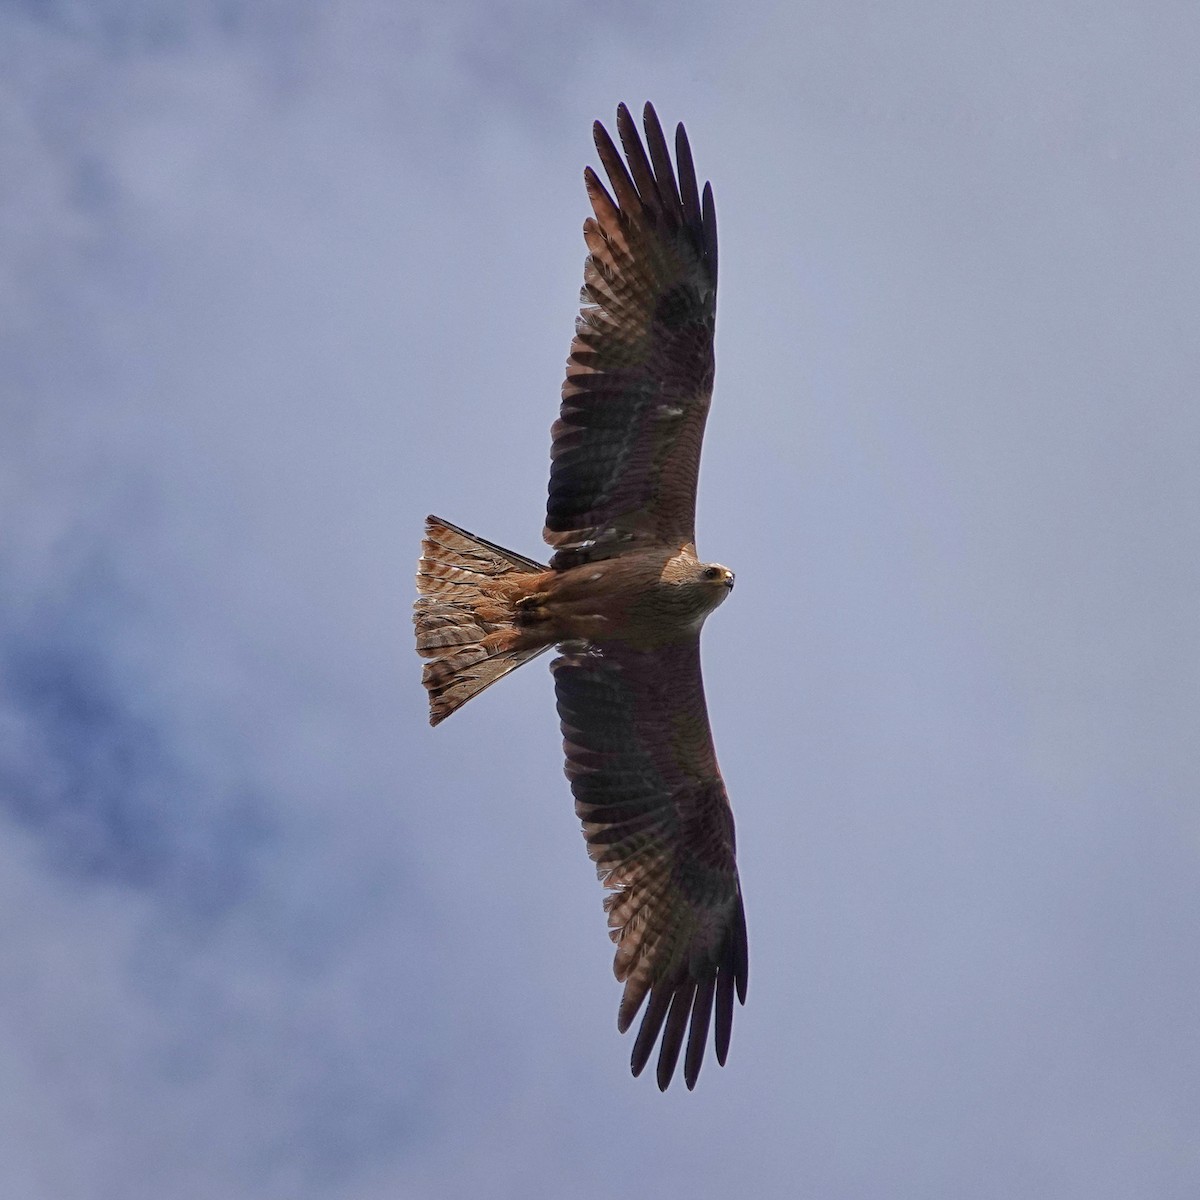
626 447
642 766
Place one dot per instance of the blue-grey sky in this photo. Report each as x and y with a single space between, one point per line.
278 279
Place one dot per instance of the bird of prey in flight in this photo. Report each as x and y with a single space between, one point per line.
623 599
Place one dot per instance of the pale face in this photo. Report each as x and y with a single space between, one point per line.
705 584
717 575
718 580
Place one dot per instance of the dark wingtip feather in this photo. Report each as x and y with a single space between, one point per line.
701 1017
710 230
724 1013
741 951
672 1040
614 166
631 1004
624 122
656 1012
664 172
639 164
689 194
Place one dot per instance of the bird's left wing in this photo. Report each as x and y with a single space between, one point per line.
626 446
658 825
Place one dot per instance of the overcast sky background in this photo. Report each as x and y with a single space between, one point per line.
278 279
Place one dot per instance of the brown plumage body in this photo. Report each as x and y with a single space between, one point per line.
643 599
640 600
623 598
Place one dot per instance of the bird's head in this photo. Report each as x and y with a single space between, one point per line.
715 583
694 588
717 575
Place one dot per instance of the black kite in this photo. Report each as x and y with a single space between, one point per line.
623 599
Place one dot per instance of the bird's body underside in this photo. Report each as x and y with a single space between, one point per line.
481 602
623 598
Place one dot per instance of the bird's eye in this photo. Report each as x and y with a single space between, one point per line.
712 572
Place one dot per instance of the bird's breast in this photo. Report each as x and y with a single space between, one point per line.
625 599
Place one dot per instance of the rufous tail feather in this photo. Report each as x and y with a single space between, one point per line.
464 616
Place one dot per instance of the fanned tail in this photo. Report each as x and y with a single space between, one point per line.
465 615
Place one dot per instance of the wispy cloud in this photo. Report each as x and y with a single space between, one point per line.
275 280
